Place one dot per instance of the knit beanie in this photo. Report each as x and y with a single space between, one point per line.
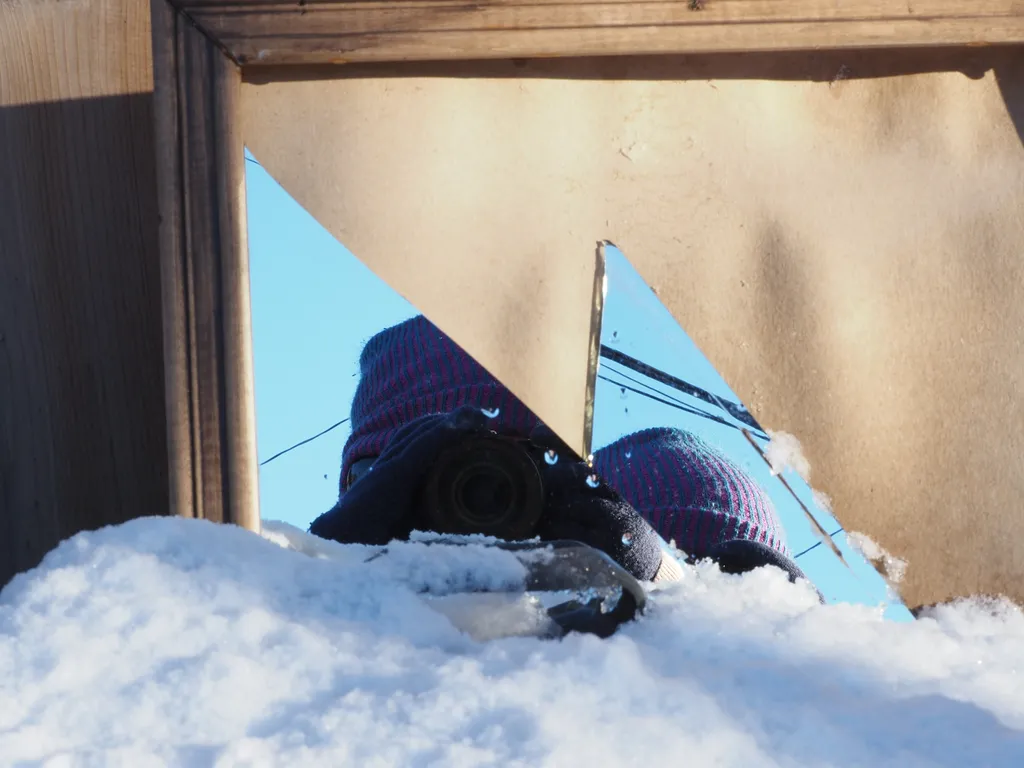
689 492
686 490
413 369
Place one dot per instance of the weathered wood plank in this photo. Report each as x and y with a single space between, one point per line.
82 438
204 256
297 31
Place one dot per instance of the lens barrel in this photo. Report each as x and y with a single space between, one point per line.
485 484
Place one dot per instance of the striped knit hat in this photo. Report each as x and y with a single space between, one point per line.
686 490
689 492
413 369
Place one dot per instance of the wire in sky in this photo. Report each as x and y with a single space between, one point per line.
666 395
736 410
660 397
666 399
643 384
303 442
815 546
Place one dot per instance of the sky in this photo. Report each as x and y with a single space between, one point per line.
636 323
314 305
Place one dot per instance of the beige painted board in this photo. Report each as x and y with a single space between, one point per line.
848 252
82 420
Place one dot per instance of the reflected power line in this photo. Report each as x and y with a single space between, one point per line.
736 410
303 442
664 399
815 546
654 394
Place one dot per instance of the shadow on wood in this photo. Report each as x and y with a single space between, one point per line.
82 423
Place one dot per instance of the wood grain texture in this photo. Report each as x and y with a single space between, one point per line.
82 438
299 31
204 257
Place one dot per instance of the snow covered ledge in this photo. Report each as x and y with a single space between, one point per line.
177 642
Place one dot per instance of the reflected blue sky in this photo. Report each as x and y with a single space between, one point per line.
637 324
314 305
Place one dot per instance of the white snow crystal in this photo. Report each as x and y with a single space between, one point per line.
822 501
178 642
892 568
784 452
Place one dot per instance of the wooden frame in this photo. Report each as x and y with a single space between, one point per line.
204 263
201 47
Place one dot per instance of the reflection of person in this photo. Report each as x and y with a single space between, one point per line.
419 391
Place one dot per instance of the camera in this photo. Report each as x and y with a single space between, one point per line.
486 484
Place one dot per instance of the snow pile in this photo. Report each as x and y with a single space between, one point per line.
892 568
784 452
169 642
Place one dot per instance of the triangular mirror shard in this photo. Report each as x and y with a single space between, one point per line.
313 306
374 426
342 361
660 402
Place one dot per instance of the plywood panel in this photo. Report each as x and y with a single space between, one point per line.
82 438
847 252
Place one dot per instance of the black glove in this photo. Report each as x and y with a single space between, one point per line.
741 555
582 507
381 506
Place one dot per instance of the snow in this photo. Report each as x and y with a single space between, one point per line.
784 452
892 568
822 501
172 642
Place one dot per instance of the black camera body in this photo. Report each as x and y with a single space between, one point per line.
486 484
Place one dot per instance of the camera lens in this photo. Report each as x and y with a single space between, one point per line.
483 493
486 485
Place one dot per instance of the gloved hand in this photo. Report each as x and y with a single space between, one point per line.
583 507
381 506
742 555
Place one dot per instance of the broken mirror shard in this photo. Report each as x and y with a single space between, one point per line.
342 362
651 375
315 305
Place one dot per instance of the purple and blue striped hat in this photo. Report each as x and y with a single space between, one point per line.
413 369
689 492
